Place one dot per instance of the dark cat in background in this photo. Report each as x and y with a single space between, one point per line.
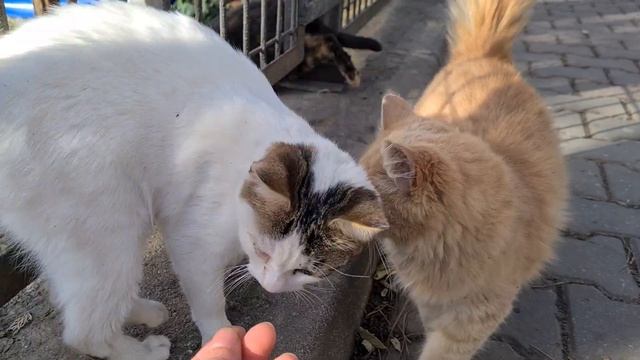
322 44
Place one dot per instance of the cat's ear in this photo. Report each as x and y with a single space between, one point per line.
363 215
394 110
399 163
279 174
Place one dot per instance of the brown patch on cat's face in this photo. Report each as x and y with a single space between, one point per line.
329 227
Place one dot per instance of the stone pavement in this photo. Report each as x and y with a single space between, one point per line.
584 58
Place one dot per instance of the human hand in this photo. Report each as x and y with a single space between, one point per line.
233 343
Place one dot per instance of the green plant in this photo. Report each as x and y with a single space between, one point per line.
210 9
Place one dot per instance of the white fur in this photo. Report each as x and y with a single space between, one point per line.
114 118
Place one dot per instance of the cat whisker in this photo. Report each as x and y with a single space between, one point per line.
237 283
312 296
382 256
345 274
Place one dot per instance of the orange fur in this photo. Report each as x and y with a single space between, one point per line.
472 181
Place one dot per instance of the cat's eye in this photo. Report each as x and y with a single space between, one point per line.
302 271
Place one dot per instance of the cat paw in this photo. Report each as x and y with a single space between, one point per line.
148 312
157 346
154 347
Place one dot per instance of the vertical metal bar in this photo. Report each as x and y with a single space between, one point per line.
245 27
294 21
222 17
4 22
197 9
278 28
38 7
263 33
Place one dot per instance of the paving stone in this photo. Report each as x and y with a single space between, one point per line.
543 38
598 336
589 216
529 56
519 48
615 128
588 85
623 183
533 323
616 92
573 37
619 77
599 259
585 178
626 28
581 147
569 126
631 44
581 104
557 84
594 29
627 152
564 23
623 64
618 53
605 111
497 350
592 74
616 16
560 49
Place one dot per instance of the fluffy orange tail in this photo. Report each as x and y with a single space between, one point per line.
485 28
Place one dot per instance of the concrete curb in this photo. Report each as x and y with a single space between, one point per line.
411 32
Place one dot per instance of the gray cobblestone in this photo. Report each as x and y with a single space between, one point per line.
623 183
592 74
631 44
626 28
528 56
605 111
600 260
585 179
581 104
618 53
627 152
588 85
588 216
604 63
541 38
580 146
624 77
533 323
614 336
556 84
566 23
615 128
560 49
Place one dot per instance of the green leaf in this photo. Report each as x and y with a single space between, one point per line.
366 335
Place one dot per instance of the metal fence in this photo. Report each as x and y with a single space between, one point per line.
271 32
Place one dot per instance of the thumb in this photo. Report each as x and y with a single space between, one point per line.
225 345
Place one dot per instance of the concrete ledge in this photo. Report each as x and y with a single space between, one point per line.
411 32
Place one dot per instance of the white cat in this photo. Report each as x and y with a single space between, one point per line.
114 118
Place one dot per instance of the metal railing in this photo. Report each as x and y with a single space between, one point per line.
355 13
271 32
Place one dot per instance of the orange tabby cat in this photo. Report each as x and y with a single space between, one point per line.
472 180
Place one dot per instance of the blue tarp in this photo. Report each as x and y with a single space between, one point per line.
24 8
